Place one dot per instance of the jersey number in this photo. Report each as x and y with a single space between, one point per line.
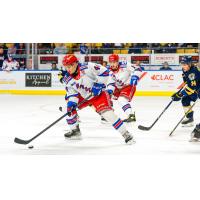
193 83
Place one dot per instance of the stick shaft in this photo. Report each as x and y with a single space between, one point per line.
182 119
48 127
148 128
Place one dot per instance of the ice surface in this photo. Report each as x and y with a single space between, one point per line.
24 116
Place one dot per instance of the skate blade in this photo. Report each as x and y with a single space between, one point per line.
188 125
129 122
74 138
104 122
131 142
194 140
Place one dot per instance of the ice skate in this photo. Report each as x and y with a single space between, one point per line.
188 122
103 120
74 134
128 138
195 135
131 118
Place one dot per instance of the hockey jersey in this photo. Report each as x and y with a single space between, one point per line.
122 77
192 80
10 65
88 74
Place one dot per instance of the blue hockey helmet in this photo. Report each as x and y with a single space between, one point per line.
186 60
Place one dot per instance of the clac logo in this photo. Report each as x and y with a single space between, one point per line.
160 77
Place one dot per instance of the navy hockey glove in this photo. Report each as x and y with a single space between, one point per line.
71 106
97 88
134 80
177 96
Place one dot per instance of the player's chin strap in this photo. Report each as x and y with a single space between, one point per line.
20 141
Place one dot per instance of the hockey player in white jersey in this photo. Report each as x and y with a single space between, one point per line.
81 81
10 64
122 84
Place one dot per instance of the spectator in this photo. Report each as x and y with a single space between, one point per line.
168 47
107 48
165 66
136 48
95 50
105 64
54 67
137 64
40 48
21 53
21 49
5 49
75 47
10 64
60 49
84 48
107 45
16 45
12 49
118 45
2 57
48 47
157 47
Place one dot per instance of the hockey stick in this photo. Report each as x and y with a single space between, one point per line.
20 141
147 128
182 119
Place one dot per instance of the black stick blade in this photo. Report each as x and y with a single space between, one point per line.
19 141
60 108
144 128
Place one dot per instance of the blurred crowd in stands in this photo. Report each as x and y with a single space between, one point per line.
15 54
118 48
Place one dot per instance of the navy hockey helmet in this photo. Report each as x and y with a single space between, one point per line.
186 60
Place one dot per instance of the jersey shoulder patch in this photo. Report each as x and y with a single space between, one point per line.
83 66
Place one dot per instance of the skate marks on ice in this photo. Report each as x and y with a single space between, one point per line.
32 113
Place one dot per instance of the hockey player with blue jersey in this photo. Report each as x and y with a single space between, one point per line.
190 92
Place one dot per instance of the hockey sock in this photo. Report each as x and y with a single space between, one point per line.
125 105
72 121
117 123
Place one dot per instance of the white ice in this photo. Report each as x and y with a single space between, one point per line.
24 116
